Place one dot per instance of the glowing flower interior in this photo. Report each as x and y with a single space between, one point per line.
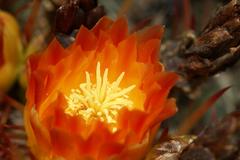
102 98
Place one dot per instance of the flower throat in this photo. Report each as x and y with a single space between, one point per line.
101 100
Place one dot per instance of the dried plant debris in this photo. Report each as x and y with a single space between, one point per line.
172 51
12 135
197 58
220 141
197 153
170 149
12 146
218 47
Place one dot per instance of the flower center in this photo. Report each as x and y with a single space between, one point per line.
100 101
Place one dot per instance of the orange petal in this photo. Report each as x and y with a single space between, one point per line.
102 25
108 150
119 30
154 32
40 132
86 39
63 144
53 54
169 110
103 39
32 63
148 52
125 47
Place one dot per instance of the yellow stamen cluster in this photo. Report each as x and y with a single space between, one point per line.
102 100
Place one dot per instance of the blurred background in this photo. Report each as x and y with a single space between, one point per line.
41 20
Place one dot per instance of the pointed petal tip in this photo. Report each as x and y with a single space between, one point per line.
154 32
103 24
86 39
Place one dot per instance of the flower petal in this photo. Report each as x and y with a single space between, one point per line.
86 39
119 30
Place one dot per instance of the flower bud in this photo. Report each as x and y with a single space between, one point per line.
10 50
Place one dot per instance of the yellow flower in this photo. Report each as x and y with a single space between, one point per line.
10 50
102 98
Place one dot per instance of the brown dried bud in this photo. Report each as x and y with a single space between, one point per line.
74 13
87 5
69 17
94 15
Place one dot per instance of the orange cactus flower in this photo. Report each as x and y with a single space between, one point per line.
10 50
102 98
